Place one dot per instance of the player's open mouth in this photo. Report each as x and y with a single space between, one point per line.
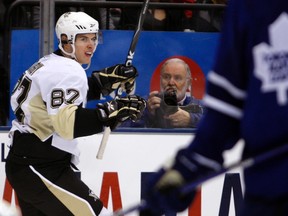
89 54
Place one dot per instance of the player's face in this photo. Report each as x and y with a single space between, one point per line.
174 78
85 45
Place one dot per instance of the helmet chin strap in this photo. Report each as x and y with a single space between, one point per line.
88 65
73 56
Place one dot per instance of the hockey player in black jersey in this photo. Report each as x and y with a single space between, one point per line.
246 99
49 104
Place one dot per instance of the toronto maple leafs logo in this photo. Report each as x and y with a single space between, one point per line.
271 61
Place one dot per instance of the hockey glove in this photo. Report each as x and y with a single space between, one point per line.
164 195
111 78
121 109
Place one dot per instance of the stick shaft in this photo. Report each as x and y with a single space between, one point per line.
137 207
137 32
135 38
103 143
246 163
249 162
128 62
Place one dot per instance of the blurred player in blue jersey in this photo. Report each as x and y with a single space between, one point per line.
247 99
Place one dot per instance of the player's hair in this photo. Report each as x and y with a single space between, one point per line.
177 60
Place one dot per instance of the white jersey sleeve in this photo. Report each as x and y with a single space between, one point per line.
46 97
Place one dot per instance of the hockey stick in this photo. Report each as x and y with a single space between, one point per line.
137 32
246 163
103 143
128 62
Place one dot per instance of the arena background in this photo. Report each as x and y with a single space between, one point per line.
152 49
132 153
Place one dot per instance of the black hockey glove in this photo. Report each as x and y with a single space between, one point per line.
121 109
111 78
163 194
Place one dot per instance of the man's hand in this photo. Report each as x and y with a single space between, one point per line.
179 119
153 102
111 78
121 109
163 194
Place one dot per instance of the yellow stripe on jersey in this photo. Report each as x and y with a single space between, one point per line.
77 205
63 121
40 122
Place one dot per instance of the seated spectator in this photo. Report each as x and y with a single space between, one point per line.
4 96
156 19
2 22
171 107
100 14
187 15
205 20
27 16
21 16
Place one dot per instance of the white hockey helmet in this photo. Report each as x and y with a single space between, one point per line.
73 23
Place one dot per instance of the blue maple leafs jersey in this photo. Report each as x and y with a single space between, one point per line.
247 92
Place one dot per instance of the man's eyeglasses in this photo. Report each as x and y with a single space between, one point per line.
176 78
